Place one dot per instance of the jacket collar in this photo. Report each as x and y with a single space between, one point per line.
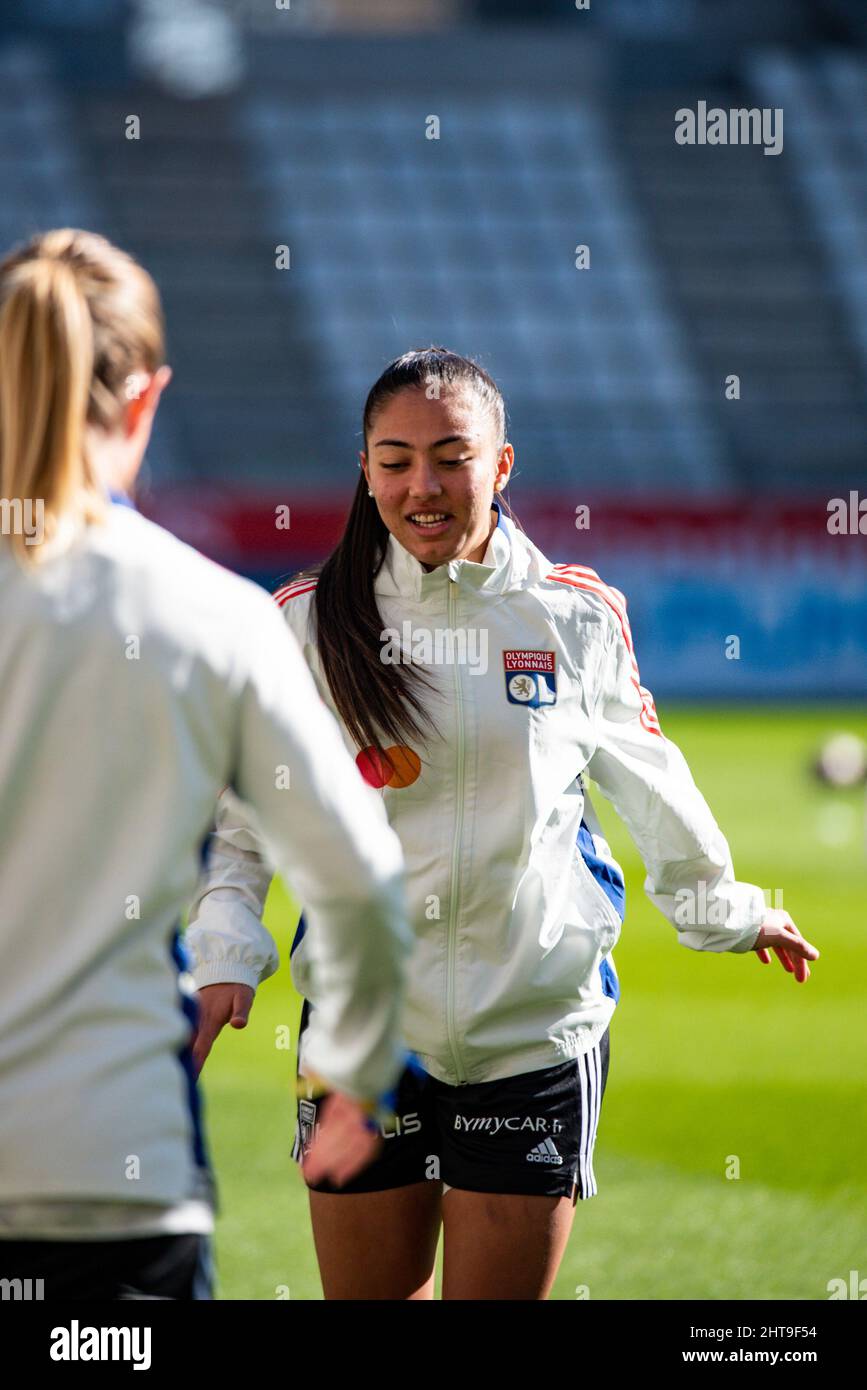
511 561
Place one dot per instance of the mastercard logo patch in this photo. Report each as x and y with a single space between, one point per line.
377 772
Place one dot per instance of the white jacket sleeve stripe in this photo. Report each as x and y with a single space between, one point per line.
616 601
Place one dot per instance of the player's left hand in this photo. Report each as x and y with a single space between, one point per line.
779 933
344 1144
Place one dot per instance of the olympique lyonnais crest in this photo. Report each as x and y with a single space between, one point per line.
531 678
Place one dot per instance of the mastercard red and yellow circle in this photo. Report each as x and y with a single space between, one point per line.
405 766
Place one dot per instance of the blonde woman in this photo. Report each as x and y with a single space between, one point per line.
137 679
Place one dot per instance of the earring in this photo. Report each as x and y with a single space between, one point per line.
370 492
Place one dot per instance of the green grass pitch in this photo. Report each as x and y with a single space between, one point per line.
711 1056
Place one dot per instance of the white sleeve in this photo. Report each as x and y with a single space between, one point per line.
645 776
225 936
327 833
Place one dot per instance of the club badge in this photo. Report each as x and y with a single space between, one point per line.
531 678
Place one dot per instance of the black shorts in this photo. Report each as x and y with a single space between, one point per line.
532 1134
144 1267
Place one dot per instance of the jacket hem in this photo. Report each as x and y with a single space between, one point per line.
518 1063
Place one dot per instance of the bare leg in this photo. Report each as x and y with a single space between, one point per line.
503 1246
376 1245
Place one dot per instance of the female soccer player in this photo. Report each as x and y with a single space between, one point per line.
478 684
136 680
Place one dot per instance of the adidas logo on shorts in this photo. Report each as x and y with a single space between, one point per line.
546 1152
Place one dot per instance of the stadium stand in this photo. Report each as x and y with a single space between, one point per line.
704 261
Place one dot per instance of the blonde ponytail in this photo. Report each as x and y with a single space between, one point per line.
78 318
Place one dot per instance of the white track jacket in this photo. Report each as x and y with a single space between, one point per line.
514 898
136 680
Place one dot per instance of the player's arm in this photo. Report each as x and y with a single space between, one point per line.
231 951
690 876
327 833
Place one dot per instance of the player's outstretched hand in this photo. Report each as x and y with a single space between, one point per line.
780 935
344 1142
219 1005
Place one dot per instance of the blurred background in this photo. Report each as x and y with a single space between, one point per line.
319 185
203 135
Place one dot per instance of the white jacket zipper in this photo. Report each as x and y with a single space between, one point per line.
460 1074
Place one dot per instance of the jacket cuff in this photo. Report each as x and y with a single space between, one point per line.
751 911
747 942
217 972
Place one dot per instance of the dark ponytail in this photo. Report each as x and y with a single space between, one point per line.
373 698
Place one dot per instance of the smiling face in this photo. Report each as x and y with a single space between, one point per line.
433 466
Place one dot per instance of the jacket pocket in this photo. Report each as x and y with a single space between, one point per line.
592 889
